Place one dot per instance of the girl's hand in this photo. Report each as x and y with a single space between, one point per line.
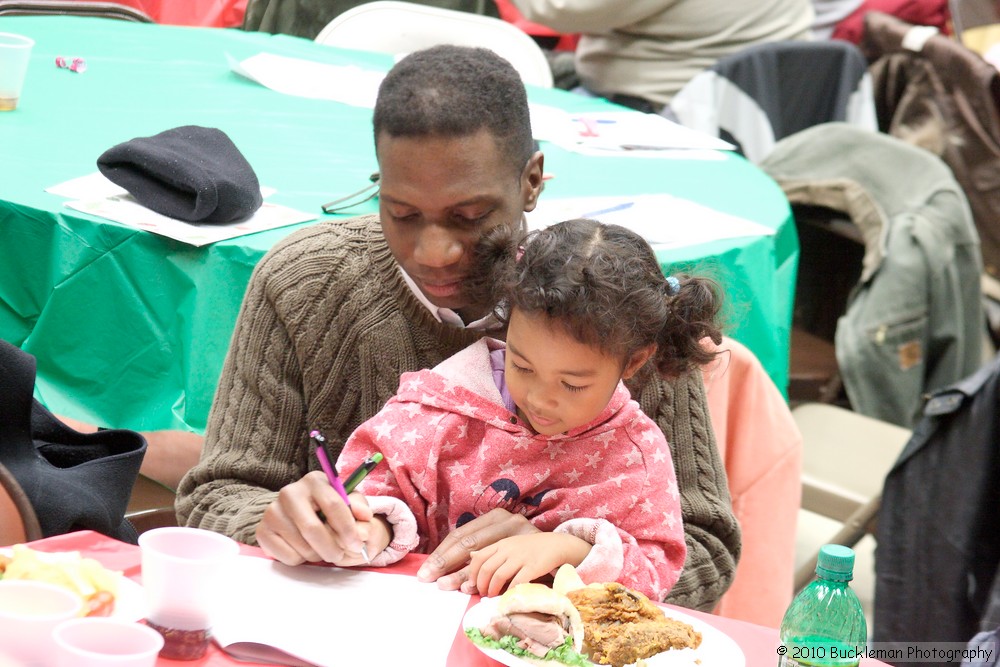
520 559
448 564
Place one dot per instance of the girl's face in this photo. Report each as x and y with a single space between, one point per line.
557 382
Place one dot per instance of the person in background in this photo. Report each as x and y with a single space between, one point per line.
169 453
542 425
844 19
831 12
336 312
639 53
558 48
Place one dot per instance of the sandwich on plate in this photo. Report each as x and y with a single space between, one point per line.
577 624
535 623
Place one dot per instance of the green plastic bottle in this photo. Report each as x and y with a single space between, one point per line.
825 626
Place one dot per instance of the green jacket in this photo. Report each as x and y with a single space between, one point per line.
914 322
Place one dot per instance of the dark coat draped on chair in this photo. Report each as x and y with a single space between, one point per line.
938 543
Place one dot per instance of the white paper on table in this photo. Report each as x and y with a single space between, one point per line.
700 154
307 78
97 195
98 186
127 211
663 220
91 186
326 616
622 133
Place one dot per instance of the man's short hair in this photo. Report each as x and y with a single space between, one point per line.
455 91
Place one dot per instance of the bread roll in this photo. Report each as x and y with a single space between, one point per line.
538 598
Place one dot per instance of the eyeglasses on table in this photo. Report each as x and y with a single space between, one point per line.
366 193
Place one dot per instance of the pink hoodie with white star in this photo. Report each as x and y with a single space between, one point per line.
453 452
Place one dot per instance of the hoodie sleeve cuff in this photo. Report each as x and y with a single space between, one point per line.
607 555
404 529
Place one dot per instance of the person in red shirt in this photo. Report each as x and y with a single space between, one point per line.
844 19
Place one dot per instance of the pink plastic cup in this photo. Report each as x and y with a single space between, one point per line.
181 570
105 642
29 611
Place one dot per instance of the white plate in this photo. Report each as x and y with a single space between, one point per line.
130 602
716 650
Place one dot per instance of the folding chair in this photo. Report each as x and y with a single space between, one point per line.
161 517
305 18
111 10
846 457
151 505
763 93
968 14
388 26
831 251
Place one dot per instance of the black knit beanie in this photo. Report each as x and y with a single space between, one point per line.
190 173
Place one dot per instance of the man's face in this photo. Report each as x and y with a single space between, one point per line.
438 196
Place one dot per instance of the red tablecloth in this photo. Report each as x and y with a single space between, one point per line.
757 642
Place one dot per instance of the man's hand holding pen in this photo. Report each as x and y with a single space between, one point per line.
365 526
330 470
293 531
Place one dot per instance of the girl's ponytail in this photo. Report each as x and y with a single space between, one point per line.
691 315
604 286
493 263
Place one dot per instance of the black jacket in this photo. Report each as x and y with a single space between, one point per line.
938 543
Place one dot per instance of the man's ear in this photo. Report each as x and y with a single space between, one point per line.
638 360
531 180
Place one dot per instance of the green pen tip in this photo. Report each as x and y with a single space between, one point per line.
376 457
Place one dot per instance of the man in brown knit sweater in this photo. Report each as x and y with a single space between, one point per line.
337 311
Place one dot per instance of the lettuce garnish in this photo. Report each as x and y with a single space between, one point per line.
563 653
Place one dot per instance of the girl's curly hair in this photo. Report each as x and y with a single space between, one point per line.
603 284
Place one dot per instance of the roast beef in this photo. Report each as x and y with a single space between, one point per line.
538 632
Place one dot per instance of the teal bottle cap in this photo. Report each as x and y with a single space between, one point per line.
835 562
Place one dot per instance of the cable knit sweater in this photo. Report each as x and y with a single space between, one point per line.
326 329
453 452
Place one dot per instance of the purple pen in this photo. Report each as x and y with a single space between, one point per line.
331 475
327 465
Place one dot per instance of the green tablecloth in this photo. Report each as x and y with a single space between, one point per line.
130 329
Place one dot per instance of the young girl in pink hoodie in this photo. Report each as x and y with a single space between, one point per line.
542 425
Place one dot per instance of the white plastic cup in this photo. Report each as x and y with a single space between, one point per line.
29 612
105 642
15 50
181 572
